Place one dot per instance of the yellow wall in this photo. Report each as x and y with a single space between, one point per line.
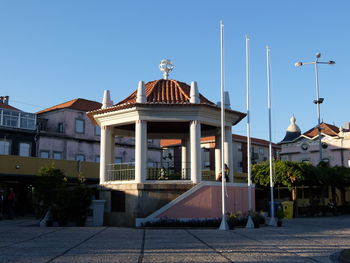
17 165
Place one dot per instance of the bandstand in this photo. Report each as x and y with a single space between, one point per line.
160 109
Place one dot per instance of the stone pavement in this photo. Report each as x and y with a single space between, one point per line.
299 240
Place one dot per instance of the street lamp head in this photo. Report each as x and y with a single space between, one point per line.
318 55
331 62
298 64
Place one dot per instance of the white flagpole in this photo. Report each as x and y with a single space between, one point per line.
223 225
268 65
250 223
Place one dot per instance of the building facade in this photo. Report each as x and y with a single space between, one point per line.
17 130
335 144
259 152
65 133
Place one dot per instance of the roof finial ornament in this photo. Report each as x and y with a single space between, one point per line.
166 66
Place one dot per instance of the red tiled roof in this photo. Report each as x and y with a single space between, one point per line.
325 129
9 107
235 137
76 104
165 91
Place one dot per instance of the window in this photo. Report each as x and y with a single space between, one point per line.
118 160
152 164
42 124
239 147
261 151
5 147
57 155
27 120
18 119
206 157
97 159
80 157
44 154
60 127
97 130
79 126
24 149
10 118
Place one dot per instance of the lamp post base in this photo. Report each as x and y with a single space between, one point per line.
223 225
272 221
250 223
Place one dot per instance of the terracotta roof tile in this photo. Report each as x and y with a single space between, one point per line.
9 107
325 129
162 93
165 91
76 104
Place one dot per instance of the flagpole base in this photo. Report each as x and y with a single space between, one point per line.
272 221
223 225
250 223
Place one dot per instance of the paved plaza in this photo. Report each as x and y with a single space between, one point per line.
299 240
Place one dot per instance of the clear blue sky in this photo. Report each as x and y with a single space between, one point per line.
55 51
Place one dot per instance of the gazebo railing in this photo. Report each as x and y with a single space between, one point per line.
120 172
158 171
163 171
208 175
169 171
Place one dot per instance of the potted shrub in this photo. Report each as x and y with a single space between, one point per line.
62 206
80 204
258 219
231 220
280 215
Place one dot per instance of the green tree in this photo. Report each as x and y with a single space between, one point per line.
286 173
49 184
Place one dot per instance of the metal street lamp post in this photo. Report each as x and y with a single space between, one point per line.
318 100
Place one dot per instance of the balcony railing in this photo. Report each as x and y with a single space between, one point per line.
161 171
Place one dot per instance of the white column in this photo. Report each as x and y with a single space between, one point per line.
228 151
106 152
184 158
195 138
217 155
140 151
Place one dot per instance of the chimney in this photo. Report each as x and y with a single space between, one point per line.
6 100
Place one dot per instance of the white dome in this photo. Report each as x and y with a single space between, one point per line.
293 127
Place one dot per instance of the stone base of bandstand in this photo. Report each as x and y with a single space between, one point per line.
127 201
133 204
